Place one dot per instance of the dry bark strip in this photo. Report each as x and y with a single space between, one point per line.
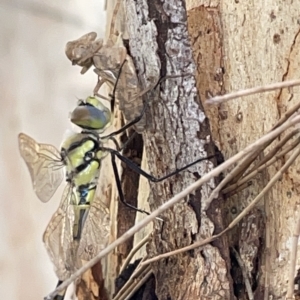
252 44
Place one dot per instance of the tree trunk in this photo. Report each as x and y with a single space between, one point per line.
238 45
178 134
235 45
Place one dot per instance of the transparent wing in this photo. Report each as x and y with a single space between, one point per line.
58 238
43 163
95 233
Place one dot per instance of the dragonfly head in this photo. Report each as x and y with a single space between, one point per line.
91 114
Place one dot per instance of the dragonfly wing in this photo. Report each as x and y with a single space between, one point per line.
69 244
58 238
95 233
42 161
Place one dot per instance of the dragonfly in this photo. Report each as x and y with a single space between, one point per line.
80 227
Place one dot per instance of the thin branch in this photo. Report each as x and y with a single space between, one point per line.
287 115
246 161
271 183
145 240
290 290
276 148
260 167
245 275
139 284
215 172
251 91
229 177
266 257
187 248
133 284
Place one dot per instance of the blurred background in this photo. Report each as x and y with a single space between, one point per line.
39 87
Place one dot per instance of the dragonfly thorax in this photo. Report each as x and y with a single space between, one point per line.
82 158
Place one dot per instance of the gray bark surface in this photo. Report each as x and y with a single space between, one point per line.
178 133
235 45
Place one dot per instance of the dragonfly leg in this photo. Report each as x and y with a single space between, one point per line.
150 177
119 186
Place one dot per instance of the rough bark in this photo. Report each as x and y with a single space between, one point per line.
235 45
178 133
238 45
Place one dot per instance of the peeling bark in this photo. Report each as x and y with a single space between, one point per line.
91 285
253 44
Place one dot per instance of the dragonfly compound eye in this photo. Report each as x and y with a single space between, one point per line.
90 117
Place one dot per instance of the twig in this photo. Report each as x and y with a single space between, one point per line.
290 290
128 284
187 248
261 167
276 177
140 283
145 240
246 161
287 114
273 151
132 283
251 91
215 172
245 275
266 257
229 178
